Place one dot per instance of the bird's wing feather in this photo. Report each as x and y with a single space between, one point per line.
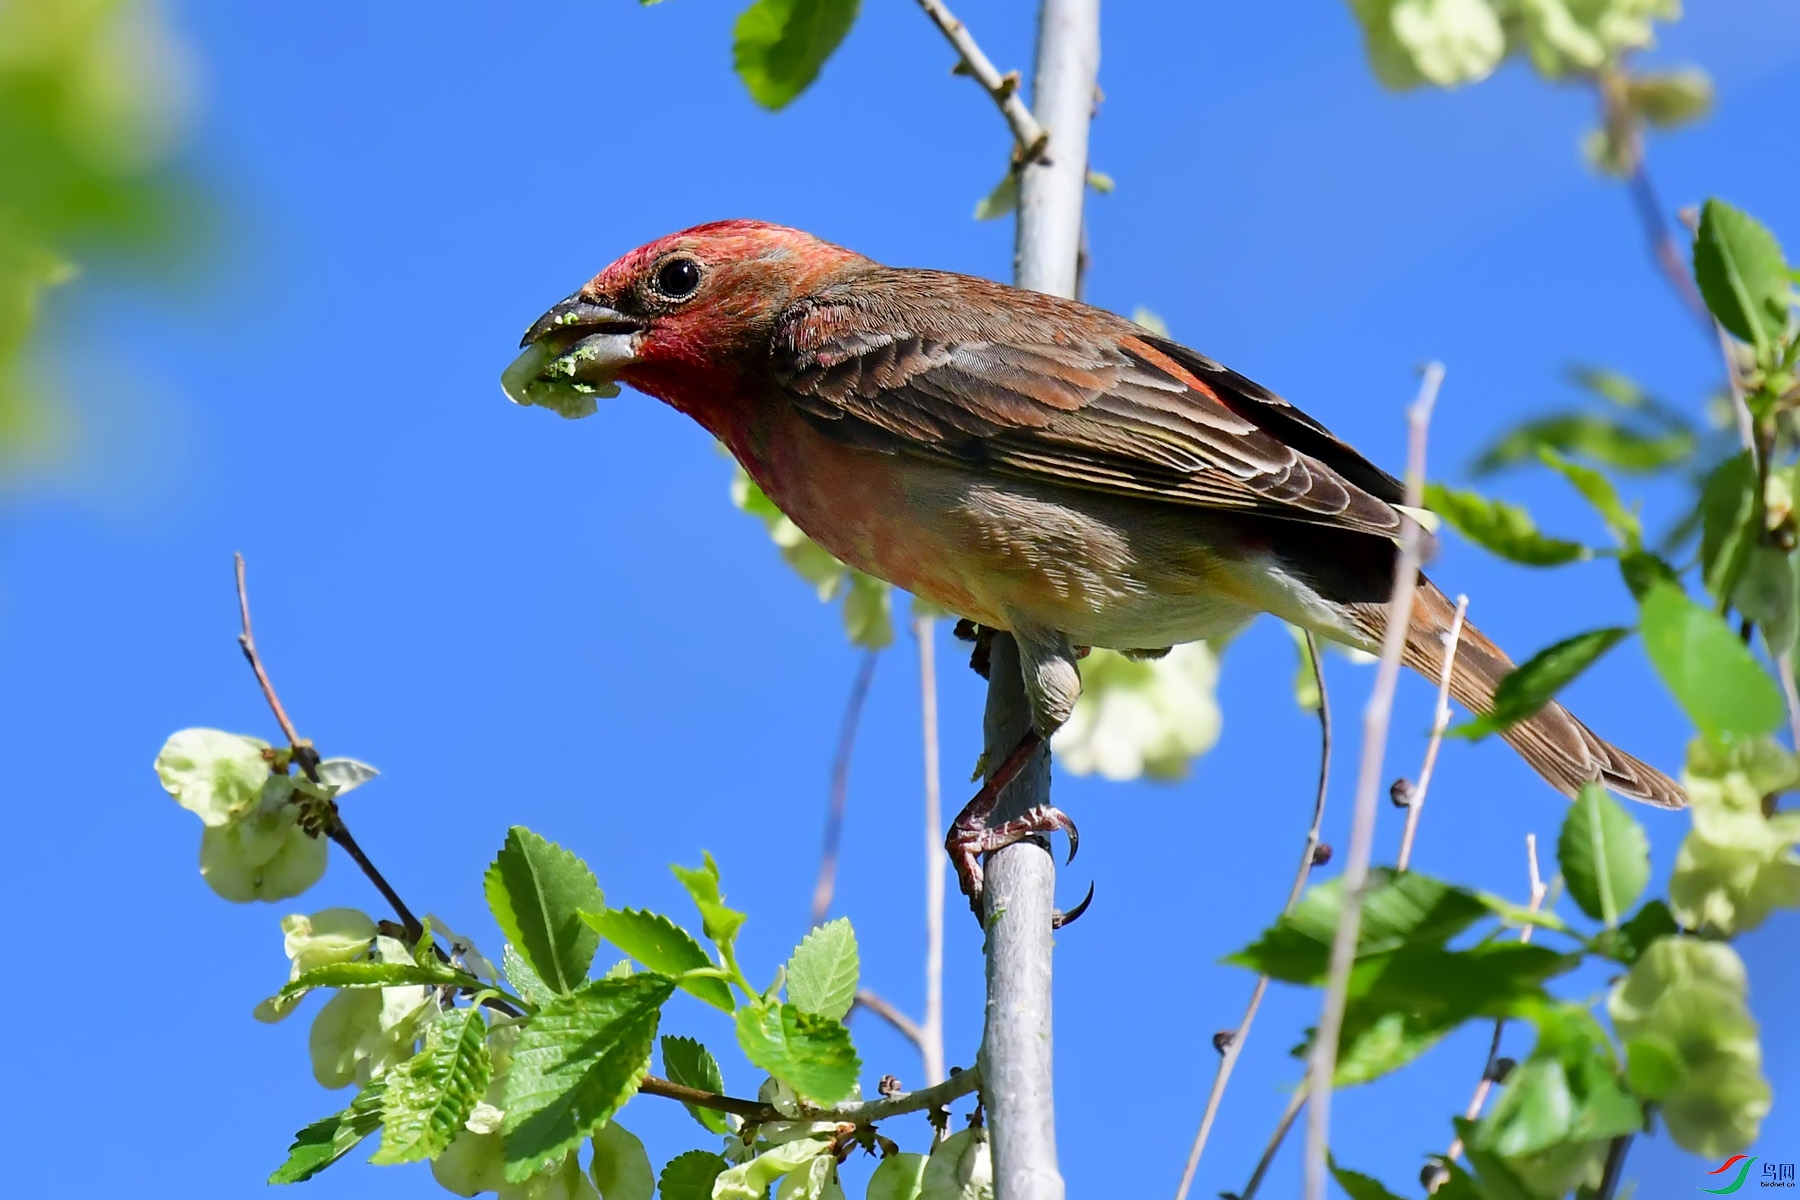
924 363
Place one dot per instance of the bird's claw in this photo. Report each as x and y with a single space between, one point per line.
1059 918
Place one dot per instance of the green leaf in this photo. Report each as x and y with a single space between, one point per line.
537 890
821 975
1743 276
780 45
1535 682
1605 855
1399 910
524 980
751 1180
898 1177
1765 593
1730 515
1360 1187
1603 439
1002 200
691 1176
687 1062
621 1167
324 1142
720 924
431 1094
1642 570
1505 529
1653 1066
662 946
1599 491
812 1053
1738 862
868 615
1649 923
580 1058
378 974
1710 671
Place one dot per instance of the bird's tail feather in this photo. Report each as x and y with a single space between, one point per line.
1558 747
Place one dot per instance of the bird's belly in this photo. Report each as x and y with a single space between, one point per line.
1010 553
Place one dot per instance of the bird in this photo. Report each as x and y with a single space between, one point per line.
1031 463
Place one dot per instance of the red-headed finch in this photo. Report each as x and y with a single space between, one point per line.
1035 464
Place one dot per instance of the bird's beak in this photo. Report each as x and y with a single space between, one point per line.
571 355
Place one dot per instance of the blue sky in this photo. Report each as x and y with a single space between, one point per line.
567 626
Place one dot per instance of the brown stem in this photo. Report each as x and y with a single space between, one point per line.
876 1004
1003 89
826 887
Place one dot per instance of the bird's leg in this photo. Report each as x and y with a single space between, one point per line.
1052 682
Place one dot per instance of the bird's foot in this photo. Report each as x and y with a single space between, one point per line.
971 836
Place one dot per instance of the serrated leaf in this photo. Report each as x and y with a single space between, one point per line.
780 45
576 1061
1505 529
662 946
812 1053
1730 516
691 1176
687 1062
1599 491
1710 671
1604 853
324 1142
523 979
751 1180
1742 274
621 1167
378 974
536 891
897 1177
431 1094
822 973
1399 910
1535 682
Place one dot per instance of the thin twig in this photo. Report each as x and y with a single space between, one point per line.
865 1112
1615 1167
931 1044
1323 1062
1295 1103
1228 1054
1415 801
1004 89
1784 667
1476 1102
878 1005
247 642
307 759
826 887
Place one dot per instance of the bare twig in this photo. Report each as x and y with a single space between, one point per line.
1615 1167
1415 802
1323 1060
876 1004
931 1029
1228 1054
1488 1072
1295 1103
824 889
1030 136
864 1112
247 642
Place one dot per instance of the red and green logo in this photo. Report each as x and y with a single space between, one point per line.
1742 1163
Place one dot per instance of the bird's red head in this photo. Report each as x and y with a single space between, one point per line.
679 318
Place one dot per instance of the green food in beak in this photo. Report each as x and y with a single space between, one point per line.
571 355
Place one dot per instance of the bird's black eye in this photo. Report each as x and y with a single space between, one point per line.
678 278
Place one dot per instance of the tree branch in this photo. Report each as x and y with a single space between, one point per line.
1323 1062
1004 89
931 1030
1233 1042
1295 1103
909 1028
826 887
1016 1047
1415 795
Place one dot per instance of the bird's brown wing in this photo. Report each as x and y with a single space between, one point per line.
957 368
